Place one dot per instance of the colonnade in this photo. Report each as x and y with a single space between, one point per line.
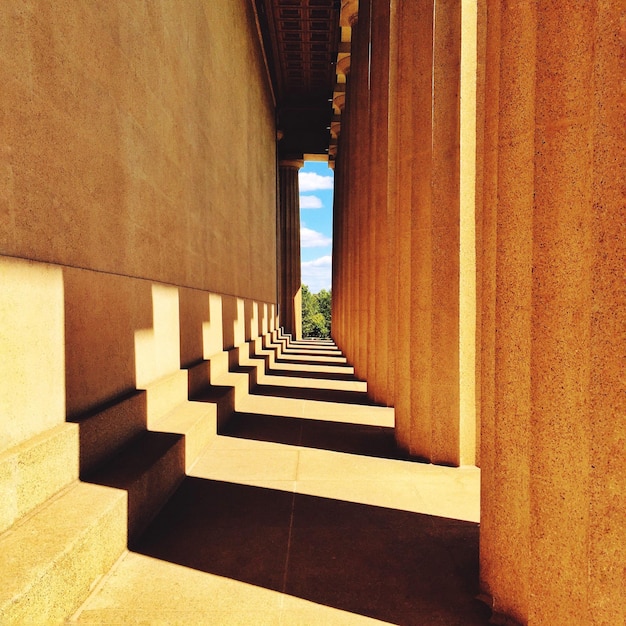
288 248
479 274
399 264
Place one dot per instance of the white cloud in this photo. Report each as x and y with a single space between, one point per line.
317 274
310 202
310 181
310 238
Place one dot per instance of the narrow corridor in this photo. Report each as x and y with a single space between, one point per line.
301 512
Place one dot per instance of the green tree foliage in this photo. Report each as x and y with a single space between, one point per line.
315 313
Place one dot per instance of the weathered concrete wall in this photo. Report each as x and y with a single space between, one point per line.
137 139
137 169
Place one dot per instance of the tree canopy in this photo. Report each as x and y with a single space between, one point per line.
316 315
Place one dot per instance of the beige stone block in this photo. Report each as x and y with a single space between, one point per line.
49 563
102 314
32 347
157 349
196 421
45 464
163 395
107 428
150 469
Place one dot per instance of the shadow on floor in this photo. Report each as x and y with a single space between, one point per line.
311 360
311 393
309 374
365 440
400 567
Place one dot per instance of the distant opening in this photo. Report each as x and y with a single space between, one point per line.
316 182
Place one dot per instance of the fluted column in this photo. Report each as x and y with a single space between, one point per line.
381 246
359 102
410 195
552 549
289 262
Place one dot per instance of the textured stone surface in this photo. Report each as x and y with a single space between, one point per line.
397 257
31 344
50 561
551 550
291 520
148 183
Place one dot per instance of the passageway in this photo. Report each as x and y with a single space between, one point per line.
301 512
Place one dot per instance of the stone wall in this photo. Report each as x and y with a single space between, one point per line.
137 184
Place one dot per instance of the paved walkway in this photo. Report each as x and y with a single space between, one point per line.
302 514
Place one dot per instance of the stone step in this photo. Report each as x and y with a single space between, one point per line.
197 421
222 398
51 559
35 470
167 393
106 429
149 468
220 364
198 377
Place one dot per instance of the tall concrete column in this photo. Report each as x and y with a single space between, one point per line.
359 111
381 246
289 262
445 233
351 203
409 194
432 155
486 229
408 264
552 549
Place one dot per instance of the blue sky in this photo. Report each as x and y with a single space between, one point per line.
316 224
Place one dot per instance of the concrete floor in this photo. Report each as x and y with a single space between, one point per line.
302 514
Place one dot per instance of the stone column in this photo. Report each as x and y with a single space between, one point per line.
410 196
486 216
351 204
359 111
381 245
445 233
290 278
577 332
552 548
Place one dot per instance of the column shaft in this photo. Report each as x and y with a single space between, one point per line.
411 91
445 223
486 220
553 440
380 248
290 302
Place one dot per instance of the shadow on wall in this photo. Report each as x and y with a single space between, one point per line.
103 313
197 319
234 332
391 565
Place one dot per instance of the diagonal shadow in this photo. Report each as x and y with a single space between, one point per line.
311 393
274 371
337 365
400 567
361 439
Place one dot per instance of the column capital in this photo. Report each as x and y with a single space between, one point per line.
296 163
349 12
343 64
